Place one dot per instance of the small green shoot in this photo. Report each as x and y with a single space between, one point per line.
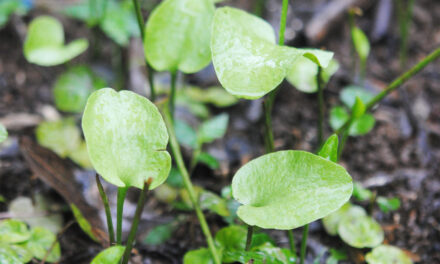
386 254
330 149
44 44
388 204
360 193
111 255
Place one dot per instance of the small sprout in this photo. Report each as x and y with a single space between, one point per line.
388 204
386 254
82 222
288 189
361 43
330 149
360 126
360 193
13 231
40 242
159 234
348 95
44 44
111 255
358 108
73 87
3 133
232 238
208 160
126 138
213 129
332 221
246 59
360 231
177 35
215 95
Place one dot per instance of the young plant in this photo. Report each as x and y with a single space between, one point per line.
44 44
360 43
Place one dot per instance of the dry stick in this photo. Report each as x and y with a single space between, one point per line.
69 224
136 219
150 71
175 148
104 198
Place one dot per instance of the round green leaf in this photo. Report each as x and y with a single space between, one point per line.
177 35
246 59
386 254
13 231
360 231
44 44
362 125
348 95
232 238
288 189
111 255
338 116
331 222
3 133
126 138
40 242
8 255
74 86
199 256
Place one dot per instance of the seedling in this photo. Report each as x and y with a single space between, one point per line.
44 44
360 42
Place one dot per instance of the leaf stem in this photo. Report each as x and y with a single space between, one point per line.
122 192
250 232
283 20
394 85
321 107
172 101
104 198
292 242
304 243
136 219
175 148
150 71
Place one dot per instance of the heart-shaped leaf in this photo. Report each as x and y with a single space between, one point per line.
126 138
177 35
386 254
74 86
44 44
13 231
246 59
40 242
111 255
360 231
288 189
348 95
359 126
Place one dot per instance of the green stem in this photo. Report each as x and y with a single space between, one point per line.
404 16
321 106
135 223
172 103
188 184
250 232
122 192
104 198
283 20
395 84
304 243
150 71
292 243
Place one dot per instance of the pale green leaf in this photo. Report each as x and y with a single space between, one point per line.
361 193
208 160
213 95
361 43
3 133
388 204
82 222
21 252
213 128
44 44
331 222
246 59
73 87
254 257
358 109
330 148
185 134
360 231
126 138
199 256
386 254
177 35
159 234
338 117
213 202
348 95
80 156
232 237
288 189
8 255
362 125
40 242
13 231
111 255
319 57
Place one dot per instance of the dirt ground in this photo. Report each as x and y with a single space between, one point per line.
399 158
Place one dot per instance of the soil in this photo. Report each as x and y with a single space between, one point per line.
399 158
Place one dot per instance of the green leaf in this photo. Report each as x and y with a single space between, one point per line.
44 44
21 252
3 133
386 254
358 109
331 222
177 35
336 256
165 193
8 255
126 138
232 238
246 59
279 255
360 231
303 74
185 134
255 257
361 193
13 231
361 43
111 255
213 128
213 95
40 242
362 125
80 156
73 87
213 202
175 178
198 109
82 222
348 95
208 160
288 189
319 57
199 256
338 117
61 136
159 234
388 204
330 149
